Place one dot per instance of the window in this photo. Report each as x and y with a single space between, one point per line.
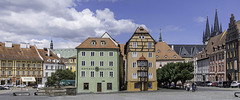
46 74
18 73
93 43
136 85
103 43
83 53
150 54
38 65
156 56
141 37
158 51
18 64
150 75
175 56
134 44
109 86
83 63
39 72
3 64
86 86
34 65
149 44
150 64
110 53
28 65
71 68
134 75
101 74
9 72
28 72
33 72
3 72
101 63
46 66
110 74
92 53
23 65
134 54
165 56
51 67
92 74
9 64
101 54
110 63
92 63
83 74
134 64
169 51
150 85
23 72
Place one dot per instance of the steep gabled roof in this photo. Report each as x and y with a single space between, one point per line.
49 58
187 50
109 44
106 35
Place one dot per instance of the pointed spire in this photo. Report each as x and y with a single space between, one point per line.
51 45
204 38
160 36
207 30
216 25
212 32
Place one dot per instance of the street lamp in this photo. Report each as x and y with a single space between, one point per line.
143 72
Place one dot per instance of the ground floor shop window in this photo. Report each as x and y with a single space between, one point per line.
2 82
86 86
150 85
136 85
109 86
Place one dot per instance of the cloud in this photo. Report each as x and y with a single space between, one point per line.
39 20
169 28
199 19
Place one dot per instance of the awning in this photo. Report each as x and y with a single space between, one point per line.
28 79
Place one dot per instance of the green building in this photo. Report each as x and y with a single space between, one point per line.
99 66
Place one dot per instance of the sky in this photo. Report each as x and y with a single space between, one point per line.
69 22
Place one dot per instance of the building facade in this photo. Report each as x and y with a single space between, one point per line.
71 63
99 63
19 62
140 44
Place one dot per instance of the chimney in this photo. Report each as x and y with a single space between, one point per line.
172 47
23 45
8 44
59 55
48 52
27 45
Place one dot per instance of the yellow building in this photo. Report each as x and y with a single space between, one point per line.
71 63
140 44
20 64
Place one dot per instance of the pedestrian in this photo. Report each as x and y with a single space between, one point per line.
37 89
188 86
193 88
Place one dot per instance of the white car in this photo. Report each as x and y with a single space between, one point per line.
235 84
209 84
21 86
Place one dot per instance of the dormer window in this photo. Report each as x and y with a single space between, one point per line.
157 56
93 42
49 60
141 29
141 37
169 51
103 43
175 56
158 51
165 56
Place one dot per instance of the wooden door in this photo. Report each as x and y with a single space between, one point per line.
99 87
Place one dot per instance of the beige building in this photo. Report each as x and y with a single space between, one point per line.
140 44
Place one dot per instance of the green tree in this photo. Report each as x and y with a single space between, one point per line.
60 74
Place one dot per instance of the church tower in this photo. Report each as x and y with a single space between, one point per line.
51 45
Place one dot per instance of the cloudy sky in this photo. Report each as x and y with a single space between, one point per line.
70 22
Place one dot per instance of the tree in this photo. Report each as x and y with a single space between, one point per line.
59 75
173 72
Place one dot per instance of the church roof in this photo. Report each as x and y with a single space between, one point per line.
187 50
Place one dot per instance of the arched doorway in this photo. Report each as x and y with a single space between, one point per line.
229 76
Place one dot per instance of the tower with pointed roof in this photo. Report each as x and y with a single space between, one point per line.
206 34
51 45
160 36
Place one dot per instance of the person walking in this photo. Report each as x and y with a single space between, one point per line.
193 88
188 86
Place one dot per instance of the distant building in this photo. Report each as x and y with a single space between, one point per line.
70 63
65 53
99 65
20 64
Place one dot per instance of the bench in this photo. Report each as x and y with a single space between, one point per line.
236 94
21 94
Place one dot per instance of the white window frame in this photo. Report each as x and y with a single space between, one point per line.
100 74
84 62
110 52
134 63
149 64
91 53
149 54
84 73
134 44
112 63
91 63
150 75
100 54
134 54
82 53
109 74
91 74
134 75
100 63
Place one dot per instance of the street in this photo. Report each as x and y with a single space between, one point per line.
203 93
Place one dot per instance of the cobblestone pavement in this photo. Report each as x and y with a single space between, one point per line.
203 93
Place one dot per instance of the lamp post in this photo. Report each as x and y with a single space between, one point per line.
142 72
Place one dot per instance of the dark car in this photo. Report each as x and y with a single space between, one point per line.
227 84
214 84
2 88
35 86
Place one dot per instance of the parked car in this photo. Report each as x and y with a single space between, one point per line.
21 86
35 86
6 88
209 84
227 84
2 88
214 84
235 84
8 85
220 84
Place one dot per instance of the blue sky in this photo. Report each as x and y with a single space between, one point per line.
183 17
69 22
